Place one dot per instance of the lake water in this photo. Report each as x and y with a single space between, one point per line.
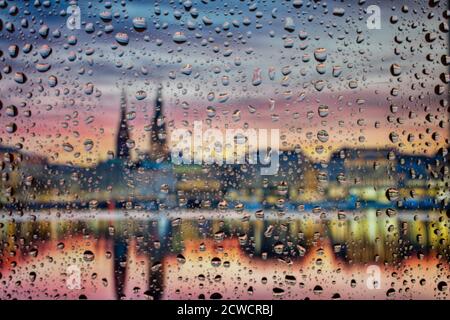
228 255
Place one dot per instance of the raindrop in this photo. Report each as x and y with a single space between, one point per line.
395 70
45 51
323 111
139 24
88 256
140 95
442 286
179 37
88 144
320 54
392 194
20 78
289 24
322 135
11 127
216 262
122 38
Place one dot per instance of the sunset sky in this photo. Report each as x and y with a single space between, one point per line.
234 69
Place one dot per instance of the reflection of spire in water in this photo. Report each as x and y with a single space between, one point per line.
258 234
120 258
155 282
161 232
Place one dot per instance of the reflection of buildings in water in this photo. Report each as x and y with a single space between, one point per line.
148 239
161 234
349 243
368 237
319 268
375 237
120 266
359 238
156 280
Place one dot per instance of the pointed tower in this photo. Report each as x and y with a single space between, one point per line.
158 134
122 150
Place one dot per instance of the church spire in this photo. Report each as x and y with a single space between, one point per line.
122 150
158 135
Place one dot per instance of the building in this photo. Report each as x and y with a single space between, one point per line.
294 182
368 174
159 150
147 182
123 135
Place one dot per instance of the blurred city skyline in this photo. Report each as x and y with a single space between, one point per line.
140 134
211 76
